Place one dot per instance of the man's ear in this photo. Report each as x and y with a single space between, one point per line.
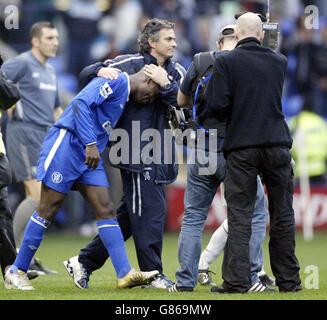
237 34
152 43
262 36
35 42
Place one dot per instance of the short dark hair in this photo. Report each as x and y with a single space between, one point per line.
36 29
151 31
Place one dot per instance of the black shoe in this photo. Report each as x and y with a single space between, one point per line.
31 274
175 288
39 269
219 289
222 289
266 280
257 287
295 289
260 287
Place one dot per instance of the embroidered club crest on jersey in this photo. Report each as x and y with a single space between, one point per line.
107 126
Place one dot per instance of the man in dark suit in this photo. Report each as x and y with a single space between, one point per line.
250 80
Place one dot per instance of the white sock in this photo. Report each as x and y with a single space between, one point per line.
215 246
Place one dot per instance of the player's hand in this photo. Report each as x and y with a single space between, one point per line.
109 73
92 156
157 74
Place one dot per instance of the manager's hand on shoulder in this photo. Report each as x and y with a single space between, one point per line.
109 73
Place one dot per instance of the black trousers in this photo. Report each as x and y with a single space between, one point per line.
141 214
7 240
242 168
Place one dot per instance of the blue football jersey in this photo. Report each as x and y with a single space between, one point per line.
96 109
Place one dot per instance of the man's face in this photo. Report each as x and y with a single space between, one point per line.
147 92
48 42
165 46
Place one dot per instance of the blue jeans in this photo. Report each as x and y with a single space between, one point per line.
199 193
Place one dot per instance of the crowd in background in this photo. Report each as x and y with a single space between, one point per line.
95 30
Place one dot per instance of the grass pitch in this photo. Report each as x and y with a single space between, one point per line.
58 247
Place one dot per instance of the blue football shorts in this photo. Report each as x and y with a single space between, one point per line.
61 163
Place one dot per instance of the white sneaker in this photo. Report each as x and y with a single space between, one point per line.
204 277
17 279
160 282
77 271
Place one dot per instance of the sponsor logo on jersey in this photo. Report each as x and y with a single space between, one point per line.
105 90
48 86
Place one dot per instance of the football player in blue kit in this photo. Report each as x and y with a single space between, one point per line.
70 158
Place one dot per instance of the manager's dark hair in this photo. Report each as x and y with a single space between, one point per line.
36 29
151 31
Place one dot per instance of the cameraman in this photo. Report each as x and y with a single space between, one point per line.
250 81
9 95
201 188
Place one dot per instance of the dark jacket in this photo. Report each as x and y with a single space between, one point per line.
250 79
9 93
150 116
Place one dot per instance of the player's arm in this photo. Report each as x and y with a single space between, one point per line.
84 124
92 157
95 94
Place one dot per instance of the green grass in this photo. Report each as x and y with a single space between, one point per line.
57 247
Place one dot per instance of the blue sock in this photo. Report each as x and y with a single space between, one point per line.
112 238
32 238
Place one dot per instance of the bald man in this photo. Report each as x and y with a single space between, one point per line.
250 80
